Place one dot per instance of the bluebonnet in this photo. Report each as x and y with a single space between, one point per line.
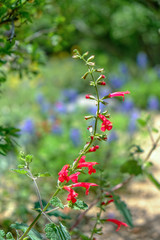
153 103
69 95
157 69
132 126
116 81
127 105
75 136
112 136
142 60
60 107
123 68
27 126
40 98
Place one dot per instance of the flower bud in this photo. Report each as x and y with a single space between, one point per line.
90 58
102 83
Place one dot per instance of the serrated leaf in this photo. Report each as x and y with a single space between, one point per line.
33 234
122 207
79 205
131 167
21 171
56 202
57 232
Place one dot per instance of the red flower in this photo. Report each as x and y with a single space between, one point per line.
102 83
85 185
88 96
74 177
106 124
119 223
102 76
72 194
117 94
63 174
90 165
112 200
93 149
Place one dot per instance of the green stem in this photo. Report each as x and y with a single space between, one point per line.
96 223
38 216
85 150
31 225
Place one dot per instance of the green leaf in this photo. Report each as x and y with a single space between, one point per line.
2 234
33 234
9 236
29 158
142 122
153 180
57 232
21 166
155 130
56 202
51 231
46 174
78 205
131 167
21 171
122 207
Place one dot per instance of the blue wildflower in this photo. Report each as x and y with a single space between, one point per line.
69 95
127 105
60 107
153 103
75 136
112 136
142 60
27 126
132 126
116 82
40 98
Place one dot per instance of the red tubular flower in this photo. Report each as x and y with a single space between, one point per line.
90 165
117 94
102 83
93 149
102 76
88 96
63 174
74 177
106 124
72 194
112 200
85 185
119 223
